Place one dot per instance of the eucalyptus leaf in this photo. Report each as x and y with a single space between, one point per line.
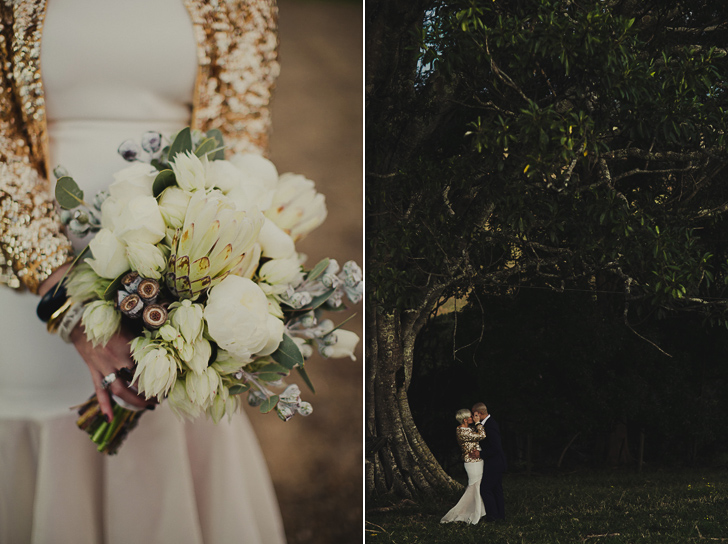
239 388
206 146
319 269
181 144
274 367
164 179
269 376
269 404
219 153
306 379
288 354
318 301
68 194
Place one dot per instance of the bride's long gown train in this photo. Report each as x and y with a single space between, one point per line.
470 507
111 71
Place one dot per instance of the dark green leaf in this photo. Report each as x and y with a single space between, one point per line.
288 355
68 194
269 404
164 179
217 135
305 377
182 143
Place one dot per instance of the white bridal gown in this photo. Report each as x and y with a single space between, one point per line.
113 70
469 508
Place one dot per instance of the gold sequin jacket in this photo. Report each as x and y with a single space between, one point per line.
468 439
237 50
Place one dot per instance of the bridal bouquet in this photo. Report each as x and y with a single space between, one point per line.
196 255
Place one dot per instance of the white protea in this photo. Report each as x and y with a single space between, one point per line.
213 241
100 321
156 370
297 208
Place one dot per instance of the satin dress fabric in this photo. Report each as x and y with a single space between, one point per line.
112 71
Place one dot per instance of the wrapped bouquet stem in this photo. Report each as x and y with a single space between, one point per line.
197 256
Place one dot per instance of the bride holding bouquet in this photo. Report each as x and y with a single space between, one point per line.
111 72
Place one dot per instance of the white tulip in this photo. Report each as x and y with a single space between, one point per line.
109 255
101 321
344 345
147 259
190 171
274 242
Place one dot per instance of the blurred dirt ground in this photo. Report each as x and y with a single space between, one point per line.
317 462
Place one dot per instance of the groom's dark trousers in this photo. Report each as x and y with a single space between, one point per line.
494 465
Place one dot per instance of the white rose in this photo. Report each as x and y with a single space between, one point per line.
275 336
147 259
249 180
134 180
190 171
297 208
237 318
344 346
173 206
100 321
109 255
111 210
274 242
258 167
140 221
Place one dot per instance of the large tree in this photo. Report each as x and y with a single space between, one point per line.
574 142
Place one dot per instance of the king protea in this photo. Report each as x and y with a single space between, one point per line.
213 240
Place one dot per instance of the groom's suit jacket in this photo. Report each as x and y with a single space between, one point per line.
491 446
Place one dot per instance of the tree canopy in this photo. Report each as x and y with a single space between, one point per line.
543 142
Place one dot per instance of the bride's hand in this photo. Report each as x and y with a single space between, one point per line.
102 361
105 360
476 417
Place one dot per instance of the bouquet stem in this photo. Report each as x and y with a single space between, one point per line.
108 436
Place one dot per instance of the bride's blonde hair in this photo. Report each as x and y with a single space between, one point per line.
462 415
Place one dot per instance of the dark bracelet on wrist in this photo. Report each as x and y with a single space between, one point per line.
51 301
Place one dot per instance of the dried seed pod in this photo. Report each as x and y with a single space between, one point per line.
155 315
131 282
131 306
149 290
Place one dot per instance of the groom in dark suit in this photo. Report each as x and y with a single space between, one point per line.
494 465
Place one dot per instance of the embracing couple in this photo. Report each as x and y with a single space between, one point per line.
479 438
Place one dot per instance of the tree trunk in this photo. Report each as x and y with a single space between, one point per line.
401 463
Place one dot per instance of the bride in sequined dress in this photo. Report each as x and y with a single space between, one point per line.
110 72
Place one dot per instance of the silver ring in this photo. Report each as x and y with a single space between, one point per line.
108 380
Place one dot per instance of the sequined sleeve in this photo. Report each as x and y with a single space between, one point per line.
468 439
31 239
238 66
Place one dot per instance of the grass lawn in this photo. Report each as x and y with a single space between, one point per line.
661 507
